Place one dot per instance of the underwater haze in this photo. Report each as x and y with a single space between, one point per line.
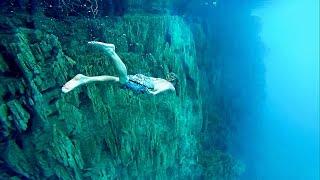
288 143
159 89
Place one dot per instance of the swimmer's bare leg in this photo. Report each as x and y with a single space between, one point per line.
81 79
120 66
105 45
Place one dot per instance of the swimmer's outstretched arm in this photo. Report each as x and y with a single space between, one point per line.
162 89
155 92
81 79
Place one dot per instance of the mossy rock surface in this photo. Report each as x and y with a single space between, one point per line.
100 130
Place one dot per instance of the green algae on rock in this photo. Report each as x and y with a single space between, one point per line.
100 131
100 124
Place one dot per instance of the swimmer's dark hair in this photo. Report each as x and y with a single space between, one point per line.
172 77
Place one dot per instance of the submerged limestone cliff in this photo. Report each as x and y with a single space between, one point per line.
100 131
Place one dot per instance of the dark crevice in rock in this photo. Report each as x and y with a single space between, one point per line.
54 51
84 99
19 141
9 74
50 89
15 70
53 100
106 147
29 125
8 171
30 24
8 96
53 114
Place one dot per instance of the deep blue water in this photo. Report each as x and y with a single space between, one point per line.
286 145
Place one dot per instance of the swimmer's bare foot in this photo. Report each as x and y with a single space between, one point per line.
78 80
106 46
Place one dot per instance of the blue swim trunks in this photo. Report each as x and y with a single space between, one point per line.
139 83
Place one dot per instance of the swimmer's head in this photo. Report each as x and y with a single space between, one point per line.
172 77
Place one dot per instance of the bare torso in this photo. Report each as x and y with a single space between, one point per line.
161 85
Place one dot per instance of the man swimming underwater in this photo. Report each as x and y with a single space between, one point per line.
137 83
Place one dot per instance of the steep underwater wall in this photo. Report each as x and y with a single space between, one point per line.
98 130
101 131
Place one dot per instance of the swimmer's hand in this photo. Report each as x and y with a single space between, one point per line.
152 92
155 92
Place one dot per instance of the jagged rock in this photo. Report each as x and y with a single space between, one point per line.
3 65
100 130
19 114
66 152
5 121
222 165
15 87
125 130
17 161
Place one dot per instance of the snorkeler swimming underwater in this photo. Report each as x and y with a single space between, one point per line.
138 83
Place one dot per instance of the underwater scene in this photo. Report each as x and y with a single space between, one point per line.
159 89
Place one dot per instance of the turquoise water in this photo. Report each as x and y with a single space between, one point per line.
291 120
230 89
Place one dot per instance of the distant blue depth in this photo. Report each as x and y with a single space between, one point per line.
288 144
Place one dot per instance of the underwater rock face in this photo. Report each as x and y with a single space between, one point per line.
99 130
19 115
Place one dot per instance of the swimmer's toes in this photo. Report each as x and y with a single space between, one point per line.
73 83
